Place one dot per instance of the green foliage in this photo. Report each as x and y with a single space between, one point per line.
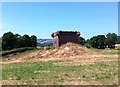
8 41
87 43
33 40
11 41
17 43
26 40
81 40
98 41
101 42
111 40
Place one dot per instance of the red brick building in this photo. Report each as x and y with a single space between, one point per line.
62 37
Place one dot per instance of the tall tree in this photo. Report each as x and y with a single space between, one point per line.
111 40
93 42
8 41
33 40
26 40
101 41
17 43
98 41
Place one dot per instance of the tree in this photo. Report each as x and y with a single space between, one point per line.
26 41
93 41
33 40
8 41
101 41
81 40
87 43
17 43
111 40
98 41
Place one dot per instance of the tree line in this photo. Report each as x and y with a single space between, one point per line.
100 41
11 41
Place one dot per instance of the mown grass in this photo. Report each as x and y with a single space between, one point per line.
50 72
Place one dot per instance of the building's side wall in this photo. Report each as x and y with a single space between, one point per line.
67 37
56 41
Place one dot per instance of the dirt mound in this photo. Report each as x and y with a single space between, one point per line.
65 51
68 50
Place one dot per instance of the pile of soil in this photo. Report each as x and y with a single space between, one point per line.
65 51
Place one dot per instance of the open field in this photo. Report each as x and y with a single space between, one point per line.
55 72
84 67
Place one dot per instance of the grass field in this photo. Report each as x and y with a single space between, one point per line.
53 72
62 71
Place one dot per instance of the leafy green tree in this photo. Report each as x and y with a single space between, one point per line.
111 40
26 41
87 43
81 40
8 41
17 43
33 40
98 41
101 41
93 42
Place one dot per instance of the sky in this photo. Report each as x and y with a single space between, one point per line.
44 18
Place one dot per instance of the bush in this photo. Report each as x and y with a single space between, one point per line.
88 45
